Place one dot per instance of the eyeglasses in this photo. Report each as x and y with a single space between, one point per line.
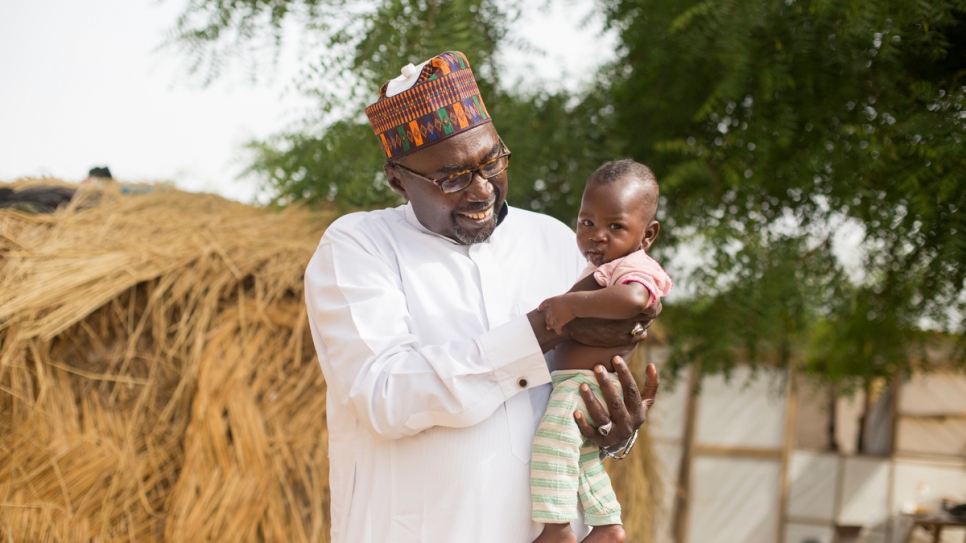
462 179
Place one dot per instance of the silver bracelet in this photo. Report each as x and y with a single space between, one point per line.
625 450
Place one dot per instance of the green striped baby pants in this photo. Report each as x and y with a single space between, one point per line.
566 466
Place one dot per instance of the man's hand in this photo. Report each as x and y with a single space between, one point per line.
557 312
627 415
594 332
611 333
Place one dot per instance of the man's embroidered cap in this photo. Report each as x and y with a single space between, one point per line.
427 104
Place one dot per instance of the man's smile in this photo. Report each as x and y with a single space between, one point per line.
479 213
481 216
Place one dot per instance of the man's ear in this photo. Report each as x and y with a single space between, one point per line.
650 234
394 180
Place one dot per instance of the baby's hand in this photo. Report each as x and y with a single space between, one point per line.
558 313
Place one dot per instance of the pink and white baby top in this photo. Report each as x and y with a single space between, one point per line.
636 267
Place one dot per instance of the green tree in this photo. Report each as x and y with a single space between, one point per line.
355 46
557 139
775 123
772 125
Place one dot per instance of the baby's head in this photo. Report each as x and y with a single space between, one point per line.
617 211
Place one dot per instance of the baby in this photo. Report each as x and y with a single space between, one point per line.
615 227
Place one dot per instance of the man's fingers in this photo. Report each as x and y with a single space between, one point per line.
651 383
616 410
632 396
645 407
598 415
585 427
652 312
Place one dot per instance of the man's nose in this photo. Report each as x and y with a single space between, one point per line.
480 189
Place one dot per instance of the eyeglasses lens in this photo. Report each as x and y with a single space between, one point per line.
488 170
495 168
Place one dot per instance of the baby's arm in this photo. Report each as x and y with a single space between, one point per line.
622 301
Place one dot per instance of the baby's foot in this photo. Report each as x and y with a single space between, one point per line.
611 533
557 533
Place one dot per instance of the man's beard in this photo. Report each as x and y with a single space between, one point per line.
467 237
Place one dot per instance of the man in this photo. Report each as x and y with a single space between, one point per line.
425 323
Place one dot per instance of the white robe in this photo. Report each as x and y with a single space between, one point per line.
436 383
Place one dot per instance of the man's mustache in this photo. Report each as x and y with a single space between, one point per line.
477 206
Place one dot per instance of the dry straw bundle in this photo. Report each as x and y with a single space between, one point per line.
157 381
157 378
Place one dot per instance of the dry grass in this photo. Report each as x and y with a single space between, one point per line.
158 382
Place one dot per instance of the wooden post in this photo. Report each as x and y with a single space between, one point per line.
681 498
894 428
791 414
894 408
839 473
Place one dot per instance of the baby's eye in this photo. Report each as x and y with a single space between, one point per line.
586 222
615 226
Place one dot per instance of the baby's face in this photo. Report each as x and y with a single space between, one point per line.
612 221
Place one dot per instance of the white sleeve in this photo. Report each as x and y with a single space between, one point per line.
580 261
372 359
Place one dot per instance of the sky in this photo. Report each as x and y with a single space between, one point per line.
86 83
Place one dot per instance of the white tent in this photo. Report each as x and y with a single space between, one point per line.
752 460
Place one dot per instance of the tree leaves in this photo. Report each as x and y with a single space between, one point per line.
770 124
797 116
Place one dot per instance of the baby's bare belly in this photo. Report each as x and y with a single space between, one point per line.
571 355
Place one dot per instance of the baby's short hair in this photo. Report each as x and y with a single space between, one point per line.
635 172
617 169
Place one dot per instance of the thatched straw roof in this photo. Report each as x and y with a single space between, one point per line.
157 378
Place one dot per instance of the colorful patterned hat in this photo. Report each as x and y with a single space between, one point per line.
427 104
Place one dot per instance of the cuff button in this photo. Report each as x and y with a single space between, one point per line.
522 382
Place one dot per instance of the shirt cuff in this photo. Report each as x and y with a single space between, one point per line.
515 356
